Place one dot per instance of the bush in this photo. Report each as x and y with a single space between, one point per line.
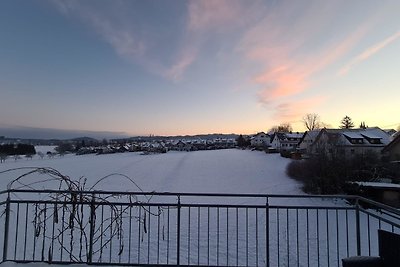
324 175
20 149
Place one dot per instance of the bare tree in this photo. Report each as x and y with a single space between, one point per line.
41 154
283 128
346 123
312 121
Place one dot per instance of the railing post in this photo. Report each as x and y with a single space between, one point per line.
6 228
267 232
358 234
178 233
92 224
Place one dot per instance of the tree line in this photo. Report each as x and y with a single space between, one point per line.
19 149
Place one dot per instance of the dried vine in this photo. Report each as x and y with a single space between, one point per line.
67 210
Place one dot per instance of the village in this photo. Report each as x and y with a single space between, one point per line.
346 142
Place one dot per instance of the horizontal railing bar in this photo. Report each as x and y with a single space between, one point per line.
94 263
88 203
105 263
263 206
380 205
185 194
381 218
204 205
389 214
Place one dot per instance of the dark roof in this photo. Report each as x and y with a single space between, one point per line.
394 142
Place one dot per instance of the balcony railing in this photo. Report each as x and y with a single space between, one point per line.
148 228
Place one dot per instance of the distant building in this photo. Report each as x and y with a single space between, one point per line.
286 141
307 140
261 139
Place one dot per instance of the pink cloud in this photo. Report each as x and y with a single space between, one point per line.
368 53
293 110
288 71
280 82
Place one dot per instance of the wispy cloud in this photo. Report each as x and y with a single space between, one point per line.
292 110
203 19
212 14
175 72
279 44
280 82
119 30
368 53
121 37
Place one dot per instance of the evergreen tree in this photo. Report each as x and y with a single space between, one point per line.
241 141
346 123
362 125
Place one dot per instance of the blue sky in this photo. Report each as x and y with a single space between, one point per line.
187 67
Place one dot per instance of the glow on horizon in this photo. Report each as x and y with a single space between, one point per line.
195 67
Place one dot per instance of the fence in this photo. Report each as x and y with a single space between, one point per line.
147 228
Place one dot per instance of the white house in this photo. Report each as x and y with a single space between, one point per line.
286 141
276 140
260 140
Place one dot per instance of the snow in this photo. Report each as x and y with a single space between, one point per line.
353 135
45 149
220 171
379 185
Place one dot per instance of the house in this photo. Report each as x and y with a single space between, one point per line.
261 139
276 140
307 140
350 142
183 146
392 150
286 141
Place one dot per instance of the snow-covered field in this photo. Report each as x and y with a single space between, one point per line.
219 171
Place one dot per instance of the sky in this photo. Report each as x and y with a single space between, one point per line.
194 67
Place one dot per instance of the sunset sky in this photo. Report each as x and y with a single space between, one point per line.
190 67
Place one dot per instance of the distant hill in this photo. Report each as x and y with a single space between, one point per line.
32 133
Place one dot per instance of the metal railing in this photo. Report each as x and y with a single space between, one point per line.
148 228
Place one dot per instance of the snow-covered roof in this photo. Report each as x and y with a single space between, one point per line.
294 135
313 133
364 134
378 185
353 135
371 136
